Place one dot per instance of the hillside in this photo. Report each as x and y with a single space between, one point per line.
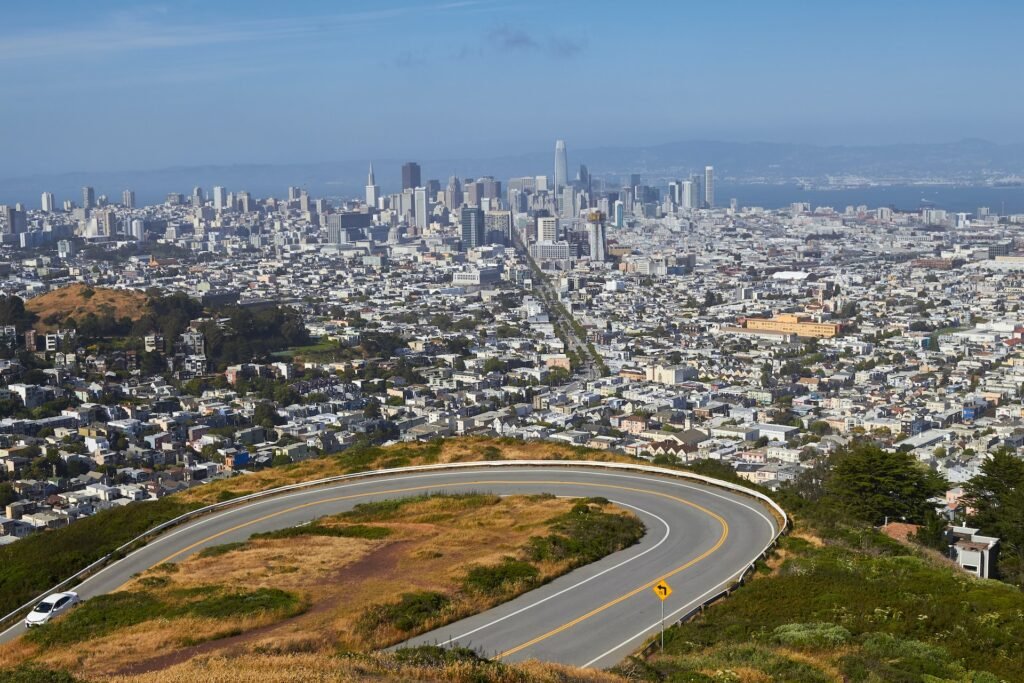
353 582
78 301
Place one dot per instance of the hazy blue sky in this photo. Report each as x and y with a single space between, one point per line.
106 85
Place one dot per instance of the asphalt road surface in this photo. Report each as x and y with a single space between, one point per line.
698 539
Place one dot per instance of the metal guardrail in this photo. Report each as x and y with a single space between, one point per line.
118 553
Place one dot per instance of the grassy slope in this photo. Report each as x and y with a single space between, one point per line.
438 559
852 606
34 564
421 664
73 301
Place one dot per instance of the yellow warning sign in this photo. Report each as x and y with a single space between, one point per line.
662 590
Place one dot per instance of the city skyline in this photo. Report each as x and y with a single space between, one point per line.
835 74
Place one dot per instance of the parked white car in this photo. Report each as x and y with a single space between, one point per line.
50 607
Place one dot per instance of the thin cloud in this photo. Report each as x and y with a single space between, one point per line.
512 39
509 38
137 30
564 48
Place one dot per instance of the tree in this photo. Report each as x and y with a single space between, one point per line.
266 415
871 484
932 533
372 409
7 495
13 312
495 365
997 497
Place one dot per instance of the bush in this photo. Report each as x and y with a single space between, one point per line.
436 657
351 531
239 603
585 534
816 635
411 612
29 673
503 577
383 510
222 549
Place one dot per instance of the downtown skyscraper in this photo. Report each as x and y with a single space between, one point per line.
411 175
709 187
372 189
561 166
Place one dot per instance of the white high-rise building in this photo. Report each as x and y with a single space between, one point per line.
47 202
421 207
128 199
138 229
709 187
561 166
220 199
547 229
688 194
372 190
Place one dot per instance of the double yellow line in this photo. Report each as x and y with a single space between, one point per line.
597 610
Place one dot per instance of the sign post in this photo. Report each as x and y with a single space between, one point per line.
662 590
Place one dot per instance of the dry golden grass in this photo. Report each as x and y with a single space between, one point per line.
430 545
326 668
127 647
74 302
463 449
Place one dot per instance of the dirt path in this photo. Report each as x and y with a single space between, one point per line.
380 561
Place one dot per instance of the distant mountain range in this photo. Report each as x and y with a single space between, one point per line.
967 161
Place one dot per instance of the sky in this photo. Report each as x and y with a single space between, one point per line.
112 85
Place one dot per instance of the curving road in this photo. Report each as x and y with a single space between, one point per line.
698 539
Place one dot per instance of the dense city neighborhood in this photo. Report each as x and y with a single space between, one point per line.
151 349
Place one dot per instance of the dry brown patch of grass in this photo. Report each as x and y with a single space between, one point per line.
109 654
267 563
431 543
15 652
462 449
825 664
325 668
76 302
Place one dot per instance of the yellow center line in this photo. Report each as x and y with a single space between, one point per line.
649 584
555 631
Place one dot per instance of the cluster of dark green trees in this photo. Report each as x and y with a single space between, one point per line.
996 498
866 483
252 334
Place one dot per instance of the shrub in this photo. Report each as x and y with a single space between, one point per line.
585 534
222 549
436 657
235 604
500 578
411 612
815 635
383 510
30 673
351 531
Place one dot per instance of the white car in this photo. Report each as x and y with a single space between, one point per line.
50 607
